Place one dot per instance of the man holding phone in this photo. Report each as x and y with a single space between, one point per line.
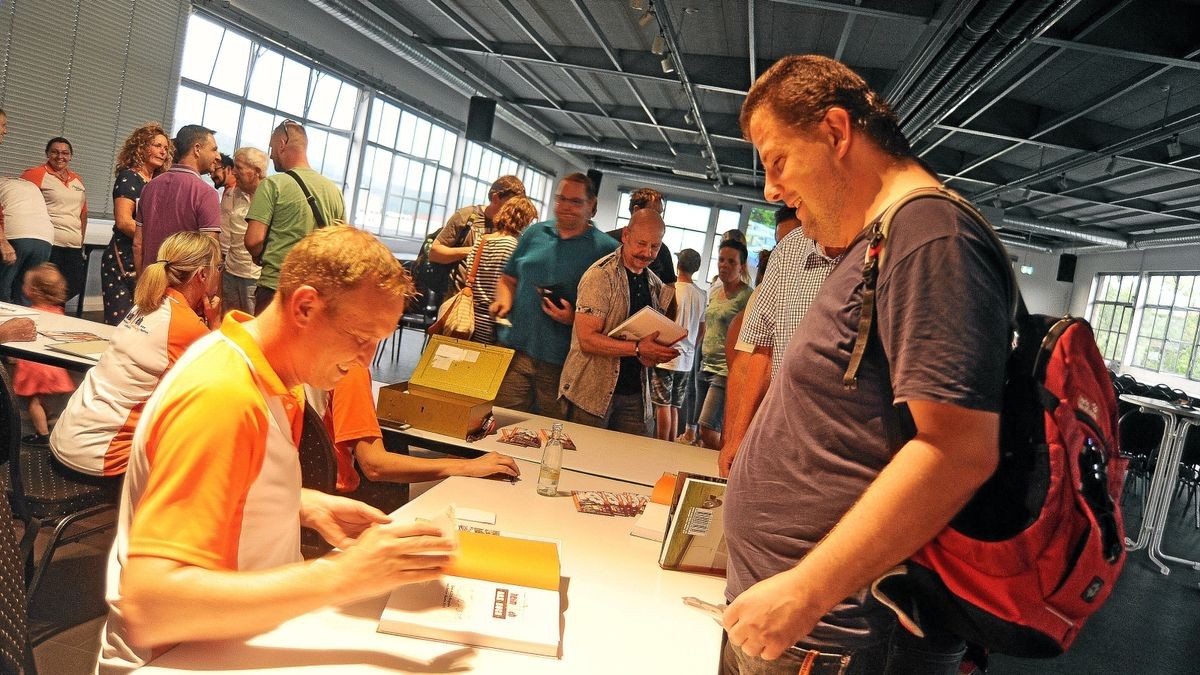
605 382
536 294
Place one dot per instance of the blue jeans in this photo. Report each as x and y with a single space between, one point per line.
30 254
531 386
902 654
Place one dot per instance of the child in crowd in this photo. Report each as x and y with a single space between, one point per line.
47 290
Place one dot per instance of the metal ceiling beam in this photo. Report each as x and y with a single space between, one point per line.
1181 122
845 36
999 67
528 78
1115 52
511 52
858 10
432 63
598 34
541 44
753 59
702 188
932 43
666 24
538 105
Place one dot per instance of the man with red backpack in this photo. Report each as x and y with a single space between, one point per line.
456 239
833 486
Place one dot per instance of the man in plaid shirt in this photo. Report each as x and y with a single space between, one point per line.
794 274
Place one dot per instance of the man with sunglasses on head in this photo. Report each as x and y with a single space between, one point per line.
287 206
179 200
536 295
462 231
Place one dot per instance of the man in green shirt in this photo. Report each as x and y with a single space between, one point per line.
281 214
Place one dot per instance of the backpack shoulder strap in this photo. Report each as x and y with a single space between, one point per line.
877 234
312 201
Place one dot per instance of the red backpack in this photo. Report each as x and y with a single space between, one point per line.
1038 548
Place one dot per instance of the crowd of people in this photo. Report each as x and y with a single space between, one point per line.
828 484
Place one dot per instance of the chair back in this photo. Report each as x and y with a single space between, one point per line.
16 653
1140 433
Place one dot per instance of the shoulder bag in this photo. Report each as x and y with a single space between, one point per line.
456 316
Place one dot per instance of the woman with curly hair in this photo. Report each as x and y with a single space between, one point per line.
494 250
146 153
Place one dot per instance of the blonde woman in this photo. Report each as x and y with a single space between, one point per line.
511 220
176 303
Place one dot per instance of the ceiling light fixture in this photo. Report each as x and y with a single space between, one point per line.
659 46
687 117
645 19
639 5
667 66
1062 182
1174 147
1112 166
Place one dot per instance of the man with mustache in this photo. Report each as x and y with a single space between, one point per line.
605 382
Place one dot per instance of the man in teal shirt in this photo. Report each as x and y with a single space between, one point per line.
537 291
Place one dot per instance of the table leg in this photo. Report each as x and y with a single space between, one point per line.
1157 481
1155 550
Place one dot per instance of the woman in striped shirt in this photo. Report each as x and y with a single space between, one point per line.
494 250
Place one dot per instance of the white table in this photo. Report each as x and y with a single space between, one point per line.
39 351
1177 421
609 454
623 615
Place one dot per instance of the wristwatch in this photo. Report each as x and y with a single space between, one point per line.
637 349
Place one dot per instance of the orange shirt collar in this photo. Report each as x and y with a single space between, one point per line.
232 329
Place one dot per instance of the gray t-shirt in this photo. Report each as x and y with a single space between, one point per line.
814 446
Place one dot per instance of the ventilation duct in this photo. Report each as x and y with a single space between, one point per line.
707 189
1067 231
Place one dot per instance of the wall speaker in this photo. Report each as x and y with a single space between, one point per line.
596 177
480 117
1066 267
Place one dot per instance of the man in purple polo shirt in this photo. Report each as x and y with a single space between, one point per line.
179 200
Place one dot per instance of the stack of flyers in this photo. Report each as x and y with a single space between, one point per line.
520 436
604 503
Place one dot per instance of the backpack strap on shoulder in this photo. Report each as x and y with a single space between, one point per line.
877 233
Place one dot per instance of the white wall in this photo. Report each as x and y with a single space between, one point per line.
1042 293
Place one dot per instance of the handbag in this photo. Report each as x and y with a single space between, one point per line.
456 316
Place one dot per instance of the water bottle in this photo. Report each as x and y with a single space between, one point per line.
551 463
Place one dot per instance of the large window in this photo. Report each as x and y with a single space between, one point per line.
243 89
405 182
1167 331
537 187
687 227
481 167
1112 312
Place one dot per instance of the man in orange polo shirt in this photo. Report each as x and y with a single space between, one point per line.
208 537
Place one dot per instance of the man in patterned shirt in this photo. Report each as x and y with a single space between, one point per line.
794 275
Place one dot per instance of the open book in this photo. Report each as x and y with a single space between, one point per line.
644 322
501 592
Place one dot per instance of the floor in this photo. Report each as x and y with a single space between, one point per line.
1148 626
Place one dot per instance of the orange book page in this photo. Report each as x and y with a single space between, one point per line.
664 489
523 562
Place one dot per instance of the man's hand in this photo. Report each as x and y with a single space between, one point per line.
564 314
7 254
651 353
729 448
388 555
20 329
771 616
500 307
338 520
492 464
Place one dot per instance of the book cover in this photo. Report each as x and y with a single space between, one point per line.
646 321
501 592
695 536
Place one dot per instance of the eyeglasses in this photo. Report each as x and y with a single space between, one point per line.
283 128
60 153
578 203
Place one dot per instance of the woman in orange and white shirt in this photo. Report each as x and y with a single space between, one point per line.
95 431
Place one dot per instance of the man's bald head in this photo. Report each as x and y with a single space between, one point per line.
641 239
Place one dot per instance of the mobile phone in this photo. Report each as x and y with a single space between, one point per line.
553 295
